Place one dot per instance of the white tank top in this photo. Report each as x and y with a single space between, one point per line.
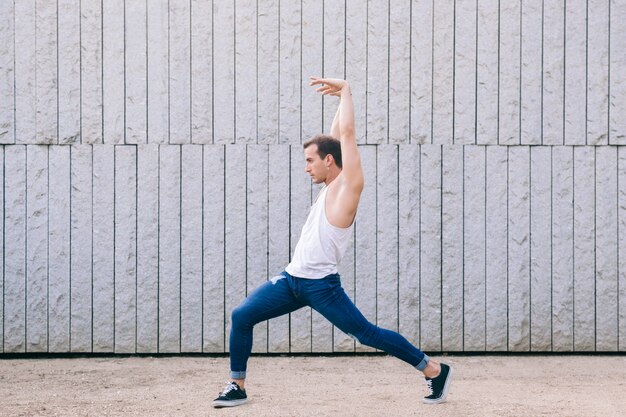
321 245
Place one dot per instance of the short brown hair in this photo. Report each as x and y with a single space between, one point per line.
326 145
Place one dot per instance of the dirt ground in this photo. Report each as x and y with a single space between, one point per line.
313 386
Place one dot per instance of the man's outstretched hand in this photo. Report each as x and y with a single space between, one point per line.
329 86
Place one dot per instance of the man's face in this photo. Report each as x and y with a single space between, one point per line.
316 167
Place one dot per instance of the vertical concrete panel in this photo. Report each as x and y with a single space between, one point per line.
2 251
91 71
621 252
15 249
431 247
606 249
59 249
421 71
365 243
113 82
125 249
509 76
387 236
224 73
37 248
553 71
531 93
597 72
278 235
377 71
541 259
474 248
7 72
88 176
563 249
356 61
311 64
290 53
135 73
256 225
399 71
617 86
25 72
147 247
518 273
235 230
158 64
465 31
300 204
214 316
69 76
46 72
452 255
179 44
169 248
103 251
246 70
333 51
409 242
575 132
191 250
201 70
487 94
443 72
496 228
268 71
584 248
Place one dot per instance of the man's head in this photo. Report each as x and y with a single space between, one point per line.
323 157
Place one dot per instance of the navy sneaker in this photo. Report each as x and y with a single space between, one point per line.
438 386
232 396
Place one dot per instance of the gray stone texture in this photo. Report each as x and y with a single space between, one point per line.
333 50
532 73
399 108
201 62
377 72
553 72
169 248
487 73
621 244
518 249
474 248
46 74
7 72
214 317
135 88
356 61
290 38
125 272
540 248
443 73
452 277
430 247
584 247
69 71
158 116
36 248
575 131
311 64
15 249
562 248
91 71
509 75
606 285
2 252
113 83
191 291
597 70
223 75
25 104
465 73
147 247
421 72
103 251
268 70
59 230
617 53
496 287
246 90
179 43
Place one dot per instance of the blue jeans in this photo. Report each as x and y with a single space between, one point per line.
285 293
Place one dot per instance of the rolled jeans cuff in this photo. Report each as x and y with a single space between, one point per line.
238 374
423 364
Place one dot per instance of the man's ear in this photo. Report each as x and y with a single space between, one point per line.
329 160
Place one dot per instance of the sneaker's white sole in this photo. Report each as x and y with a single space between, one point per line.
231 403
444 392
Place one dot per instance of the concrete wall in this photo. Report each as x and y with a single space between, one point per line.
152 171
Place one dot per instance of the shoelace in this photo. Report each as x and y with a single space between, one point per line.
429 385
229 387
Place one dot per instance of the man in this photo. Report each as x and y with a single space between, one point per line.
311 279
